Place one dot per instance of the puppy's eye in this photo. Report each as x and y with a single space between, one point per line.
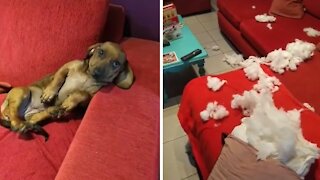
101 52
115 64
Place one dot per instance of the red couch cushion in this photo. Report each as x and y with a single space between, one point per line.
313 7
37 37
35 159
236 11
123 142
205 137
284 30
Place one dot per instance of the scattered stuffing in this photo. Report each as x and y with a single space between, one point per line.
215 48
233 59
253 71
215 83
301 50
311 32
308 106
253 7
247 102
276 134
269 26
265 18
214 111
267 84
278 60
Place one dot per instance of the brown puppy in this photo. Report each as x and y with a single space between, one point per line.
73 84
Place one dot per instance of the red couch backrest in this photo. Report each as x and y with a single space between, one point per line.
37 37
313 7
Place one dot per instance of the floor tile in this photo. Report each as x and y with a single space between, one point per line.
203 37
173 128
216 34
196 27
193 177
210 25
176 164
206 17
216 65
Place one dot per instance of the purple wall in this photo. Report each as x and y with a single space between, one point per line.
142 18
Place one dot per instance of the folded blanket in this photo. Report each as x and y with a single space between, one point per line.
238 161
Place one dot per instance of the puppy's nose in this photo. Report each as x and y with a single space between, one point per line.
96 73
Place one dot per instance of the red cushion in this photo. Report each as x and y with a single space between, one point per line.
284 31
37 37
236 11
35 158
119 135
205 138
313 7
305 89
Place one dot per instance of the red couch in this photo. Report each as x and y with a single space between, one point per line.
237 23
117 137
188 7
205 137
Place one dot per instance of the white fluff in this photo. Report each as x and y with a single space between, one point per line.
267 84
277 134
214 111
246 102
311 32
308 106
269 26
253 71
265 18
301 50
279 60
253 7
215 83
215 48
233 59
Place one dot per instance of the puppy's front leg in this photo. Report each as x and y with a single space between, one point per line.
55 84
75 99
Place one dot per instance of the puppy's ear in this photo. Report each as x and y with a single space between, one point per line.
126 77
91 50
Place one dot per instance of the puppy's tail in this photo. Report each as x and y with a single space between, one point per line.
5 87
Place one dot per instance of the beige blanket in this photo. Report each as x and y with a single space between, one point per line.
238 161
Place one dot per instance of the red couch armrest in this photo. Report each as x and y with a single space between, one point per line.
115 24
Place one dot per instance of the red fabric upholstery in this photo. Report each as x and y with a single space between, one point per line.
40 35
253 38
236 12
123 142
192 6
115 24
312 7
205 138
35 158
235 36
306 89
284 30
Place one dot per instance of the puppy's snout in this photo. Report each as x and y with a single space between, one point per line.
96 73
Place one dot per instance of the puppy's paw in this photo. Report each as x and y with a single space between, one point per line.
56 112
48 95
68 105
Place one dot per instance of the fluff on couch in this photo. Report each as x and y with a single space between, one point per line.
237 22
117 137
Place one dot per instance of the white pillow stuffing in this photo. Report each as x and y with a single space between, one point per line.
265 18
300 49
311 32
277 134
279 60
215 83
233 59
214 111
267 84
